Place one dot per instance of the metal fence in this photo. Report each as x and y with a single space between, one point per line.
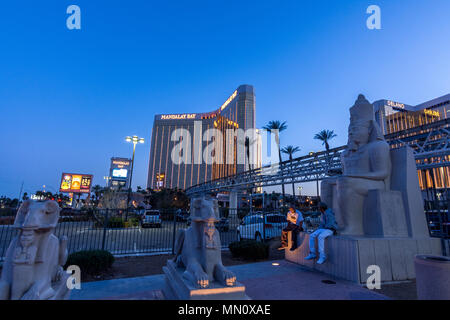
127 234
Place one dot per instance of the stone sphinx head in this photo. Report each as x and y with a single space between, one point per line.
204 214
37 216
363 128
204 209
35 220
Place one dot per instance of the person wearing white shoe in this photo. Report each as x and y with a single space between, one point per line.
326 228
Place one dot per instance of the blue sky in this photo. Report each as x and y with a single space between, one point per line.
69 97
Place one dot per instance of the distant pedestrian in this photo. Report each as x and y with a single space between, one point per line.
295 225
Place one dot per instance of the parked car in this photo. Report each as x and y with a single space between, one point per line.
152 218
258 226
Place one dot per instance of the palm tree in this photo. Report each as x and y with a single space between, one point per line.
290 150
97 189
278 127
325 136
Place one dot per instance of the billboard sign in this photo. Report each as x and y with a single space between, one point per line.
75 183
119 172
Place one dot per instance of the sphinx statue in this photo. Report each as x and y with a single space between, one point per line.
198 248
366 166
33 264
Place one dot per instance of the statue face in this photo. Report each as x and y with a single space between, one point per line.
358 134
204 210
34 215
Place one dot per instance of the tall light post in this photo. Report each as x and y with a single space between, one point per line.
135 140
107 178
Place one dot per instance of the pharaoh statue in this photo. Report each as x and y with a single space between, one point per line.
33 264
366 166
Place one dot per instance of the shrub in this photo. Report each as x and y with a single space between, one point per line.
91 261
115 222
133 222
249 249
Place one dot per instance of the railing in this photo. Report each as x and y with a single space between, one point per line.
108 230
307 168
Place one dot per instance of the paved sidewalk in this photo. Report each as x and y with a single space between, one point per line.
263 281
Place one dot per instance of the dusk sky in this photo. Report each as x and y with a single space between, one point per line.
68 98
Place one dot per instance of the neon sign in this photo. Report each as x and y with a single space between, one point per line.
431 113
395 104
178 116
229 100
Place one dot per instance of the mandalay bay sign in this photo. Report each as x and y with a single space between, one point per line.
232 146
178 116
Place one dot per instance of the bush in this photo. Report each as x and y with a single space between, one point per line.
133 222
249 249
116 222
91 261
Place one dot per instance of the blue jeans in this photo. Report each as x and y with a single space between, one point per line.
321 234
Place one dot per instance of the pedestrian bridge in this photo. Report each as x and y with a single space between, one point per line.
429 142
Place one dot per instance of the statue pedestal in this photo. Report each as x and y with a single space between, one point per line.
178 288
349 256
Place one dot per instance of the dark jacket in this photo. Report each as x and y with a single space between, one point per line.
328 220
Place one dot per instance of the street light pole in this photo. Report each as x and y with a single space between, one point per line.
107 178
135 140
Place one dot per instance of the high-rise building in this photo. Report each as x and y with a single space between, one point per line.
182 144
396 118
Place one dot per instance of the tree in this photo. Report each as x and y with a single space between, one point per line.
97 192
278 127
290 150
325 136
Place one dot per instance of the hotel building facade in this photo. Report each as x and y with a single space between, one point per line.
396 118
236 113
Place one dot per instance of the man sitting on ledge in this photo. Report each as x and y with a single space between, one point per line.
326 228
295 223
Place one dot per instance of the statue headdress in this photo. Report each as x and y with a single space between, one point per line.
362 114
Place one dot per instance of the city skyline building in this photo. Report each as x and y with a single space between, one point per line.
193 131
396 118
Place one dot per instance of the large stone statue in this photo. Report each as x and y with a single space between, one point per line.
378 207
366 166
33 264
198 248
197 271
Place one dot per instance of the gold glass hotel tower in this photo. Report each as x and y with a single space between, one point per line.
237 112
396 118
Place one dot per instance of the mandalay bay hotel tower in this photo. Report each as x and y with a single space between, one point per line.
190 167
